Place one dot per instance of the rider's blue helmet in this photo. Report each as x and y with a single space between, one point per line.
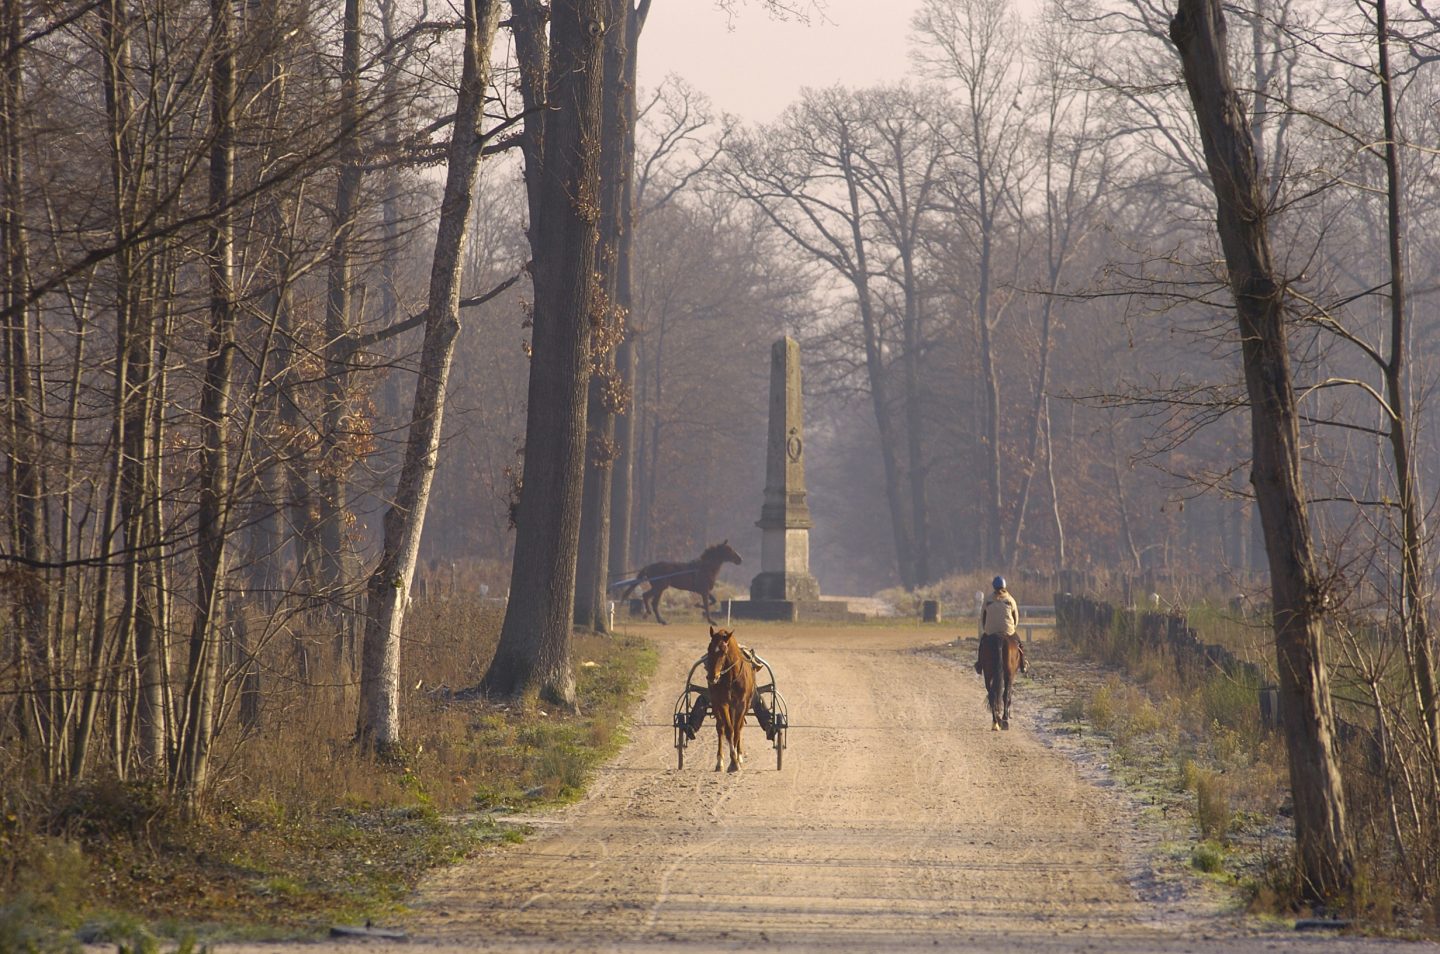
998 582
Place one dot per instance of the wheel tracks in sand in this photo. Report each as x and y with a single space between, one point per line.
899 821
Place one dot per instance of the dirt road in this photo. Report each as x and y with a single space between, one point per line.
899 822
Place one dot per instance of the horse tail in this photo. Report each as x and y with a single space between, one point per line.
640 577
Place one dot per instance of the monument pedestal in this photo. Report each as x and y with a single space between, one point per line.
795 611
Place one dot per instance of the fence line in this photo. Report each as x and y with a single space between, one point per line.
1084 620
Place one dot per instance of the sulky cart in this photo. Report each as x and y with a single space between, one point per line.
767 705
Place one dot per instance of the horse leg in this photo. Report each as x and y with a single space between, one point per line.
992 697
736 756
722 725
658 591
737 721
1005 716
705 600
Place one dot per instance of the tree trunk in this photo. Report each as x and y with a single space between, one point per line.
115 41
992 548
1414 561
533 656
1326 852
388 592
878 376
623 470
213 515
32 606
1054 493
331 501
616 168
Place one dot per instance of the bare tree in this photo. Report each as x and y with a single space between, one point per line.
1326 853
973 45
1076 175
388 591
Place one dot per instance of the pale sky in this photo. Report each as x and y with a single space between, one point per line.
753 66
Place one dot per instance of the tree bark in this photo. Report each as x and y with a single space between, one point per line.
31 609
623 470
1326 854
119 108
388 590
617 161
332 499
1414 560
533 656
213 515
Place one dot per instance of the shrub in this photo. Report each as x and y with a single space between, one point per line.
1208 857
1212 805
1101 709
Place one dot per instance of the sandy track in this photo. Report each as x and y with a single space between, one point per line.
900 821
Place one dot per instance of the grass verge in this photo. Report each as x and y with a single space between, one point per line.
303 831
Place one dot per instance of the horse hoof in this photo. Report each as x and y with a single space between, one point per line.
1005 725
734 767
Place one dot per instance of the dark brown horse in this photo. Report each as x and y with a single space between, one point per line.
731 681
697 576
999 661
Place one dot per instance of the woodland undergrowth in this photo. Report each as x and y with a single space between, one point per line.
303 831
1188 740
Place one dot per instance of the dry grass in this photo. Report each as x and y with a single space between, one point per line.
304 830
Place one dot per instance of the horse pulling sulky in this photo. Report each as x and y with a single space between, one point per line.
736 679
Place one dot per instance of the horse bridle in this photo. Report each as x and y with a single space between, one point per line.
727 669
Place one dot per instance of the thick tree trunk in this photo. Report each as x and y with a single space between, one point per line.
1326 852
622 481
616 168
388 590
533 657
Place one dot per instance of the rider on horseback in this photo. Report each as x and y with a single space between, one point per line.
998 617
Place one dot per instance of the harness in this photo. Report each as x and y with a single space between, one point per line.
748 655
690 568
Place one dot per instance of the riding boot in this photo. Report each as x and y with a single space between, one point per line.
1024 662
697 714
763 716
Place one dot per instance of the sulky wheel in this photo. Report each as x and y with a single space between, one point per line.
679 720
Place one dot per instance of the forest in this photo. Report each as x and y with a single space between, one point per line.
284 284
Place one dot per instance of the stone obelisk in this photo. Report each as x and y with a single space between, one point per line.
784 516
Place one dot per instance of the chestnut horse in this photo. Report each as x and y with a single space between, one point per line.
999 661
731 681
697 576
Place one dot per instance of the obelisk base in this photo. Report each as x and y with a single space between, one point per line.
795 587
